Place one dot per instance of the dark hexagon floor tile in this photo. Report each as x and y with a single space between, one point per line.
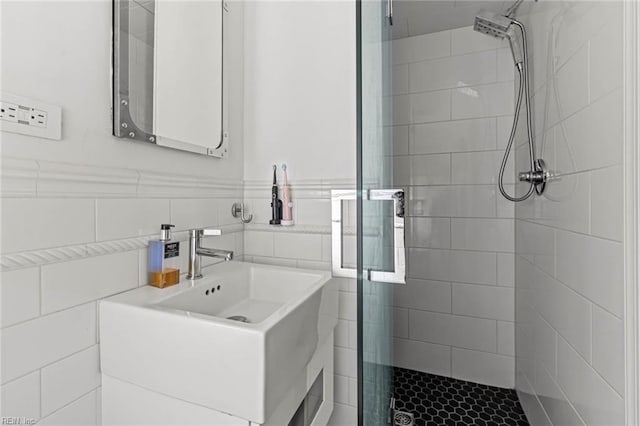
438 400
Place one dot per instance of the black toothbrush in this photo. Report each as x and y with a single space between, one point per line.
276 204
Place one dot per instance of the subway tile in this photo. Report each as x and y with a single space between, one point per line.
432 169
347 306
194 213
506 338
36 343
466 40
20 293
453 330
314 211
573 83
427 232
69 379
422 356
482 101
608 348
458 201
596 401
401 171
30 224
506 269
536 243
401 322
21 397
341 334
79 281
343 415
452 265
483 301
257 243
419 48
81 412
482 367
400 135
505 67
400 79
607 203
544 343
600 121
126 218
453 136
482 234
554 401
345 362
401 110
567 311
428 107
453 71
605 60
569 210
474 168
593 267
341 389
298 246
353 391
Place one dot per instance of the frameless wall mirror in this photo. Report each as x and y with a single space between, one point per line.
169 85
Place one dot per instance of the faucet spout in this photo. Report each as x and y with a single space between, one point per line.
227 255
196 251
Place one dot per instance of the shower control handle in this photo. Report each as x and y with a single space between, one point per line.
539 176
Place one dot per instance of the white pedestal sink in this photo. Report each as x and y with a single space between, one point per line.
179 341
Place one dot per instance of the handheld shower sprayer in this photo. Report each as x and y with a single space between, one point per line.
501 27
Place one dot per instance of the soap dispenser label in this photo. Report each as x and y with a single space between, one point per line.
171 250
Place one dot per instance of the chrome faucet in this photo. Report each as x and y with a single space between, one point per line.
195 251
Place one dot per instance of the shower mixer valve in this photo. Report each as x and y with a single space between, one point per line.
537 177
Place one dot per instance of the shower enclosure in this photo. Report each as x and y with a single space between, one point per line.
457 108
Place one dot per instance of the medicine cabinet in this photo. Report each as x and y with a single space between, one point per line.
169 74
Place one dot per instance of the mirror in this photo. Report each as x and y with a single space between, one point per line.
169 74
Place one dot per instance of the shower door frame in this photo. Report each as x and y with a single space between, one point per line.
631 195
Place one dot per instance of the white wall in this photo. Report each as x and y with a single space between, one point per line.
76 213
300 108
453 108
569 243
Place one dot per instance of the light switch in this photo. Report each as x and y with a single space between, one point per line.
30 117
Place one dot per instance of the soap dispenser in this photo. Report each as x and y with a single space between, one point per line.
164 259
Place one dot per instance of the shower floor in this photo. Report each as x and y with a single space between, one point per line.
437 400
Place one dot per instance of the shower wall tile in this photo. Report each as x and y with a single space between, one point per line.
569 242
420 48
452 136
428 107
483 367
482 301
482 101
452 72
465 40
482 234
460 234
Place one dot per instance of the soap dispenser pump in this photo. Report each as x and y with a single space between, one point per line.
164 259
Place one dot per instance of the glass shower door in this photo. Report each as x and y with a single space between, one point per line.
380 207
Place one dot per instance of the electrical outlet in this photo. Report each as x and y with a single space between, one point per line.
9 112
29 117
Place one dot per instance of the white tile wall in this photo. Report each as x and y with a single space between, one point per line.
455 315
50 362
569 282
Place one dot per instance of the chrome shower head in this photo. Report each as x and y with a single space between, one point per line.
493 25
499 26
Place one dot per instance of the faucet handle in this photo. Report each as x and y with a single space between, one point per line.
209 232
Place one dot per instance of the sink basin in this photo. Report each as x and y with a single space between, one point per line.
233 341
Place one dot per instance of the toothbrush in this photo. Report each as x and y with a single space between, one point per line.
276 204
287 216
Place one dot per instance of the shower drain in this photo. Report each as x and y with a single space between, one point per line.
402 418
